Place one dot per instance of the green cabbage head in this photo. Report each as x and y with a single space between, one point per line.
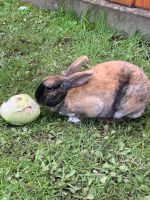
19 110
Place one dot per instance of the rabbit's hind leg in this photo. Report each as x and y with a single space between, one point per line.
133 103
136 114
133 108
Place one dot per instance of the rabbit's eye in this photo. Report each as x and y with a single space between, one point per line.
49 89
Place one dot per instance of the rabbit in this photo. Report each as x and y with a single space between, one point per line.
114 89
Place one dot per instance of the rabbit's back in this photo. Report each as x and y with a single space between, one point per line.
117 85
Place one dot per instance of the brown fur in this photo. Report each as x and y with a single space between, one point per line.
112 89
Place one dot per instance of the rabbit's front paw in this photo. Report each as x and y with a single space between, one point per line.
74 119
118 115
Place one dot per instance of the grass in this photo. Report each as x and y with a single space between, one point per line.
51 158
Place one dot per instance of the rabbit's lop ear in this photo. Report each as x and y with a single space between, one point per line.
76 79
76 65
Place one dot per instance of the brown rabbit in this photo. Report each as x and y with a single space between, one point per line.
114 89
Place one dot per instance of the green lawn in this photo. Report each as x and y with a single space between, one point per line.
52 159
